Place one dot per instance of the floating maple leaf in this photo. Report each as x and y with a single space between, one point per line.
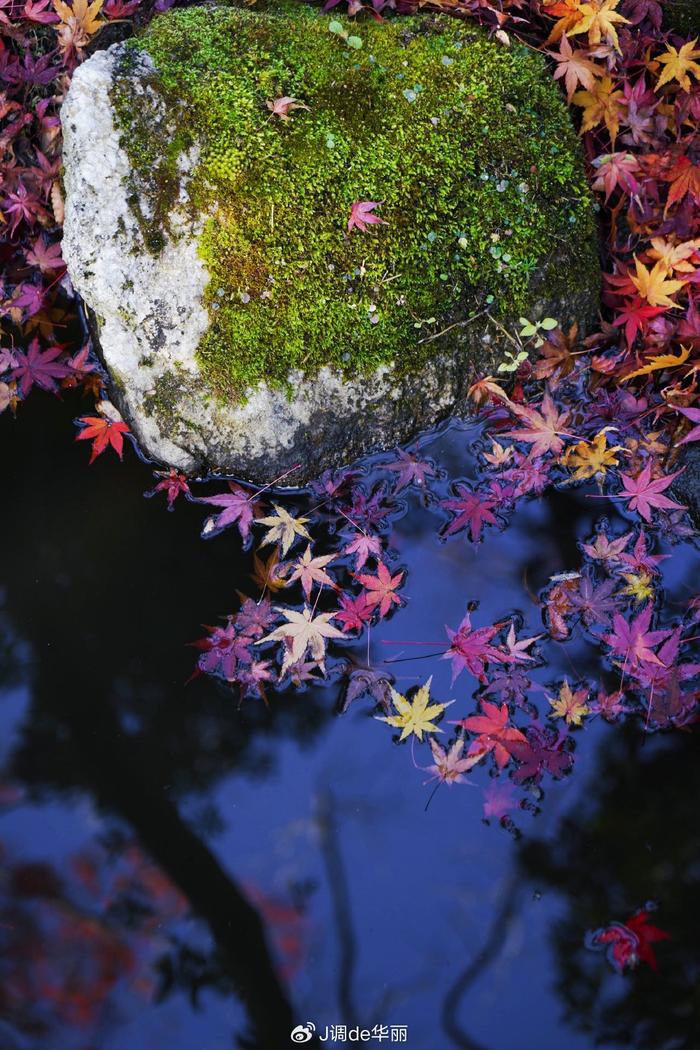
544 751
362 547
282 528
365 681
309 570
633 640
355 611
102 431
499 799
629 943
471 649
643 493
569 705
410 470
543 430
448 766
362 215
381 589
303 631
238 508
415 717
173 484
472 510
494 732
40 367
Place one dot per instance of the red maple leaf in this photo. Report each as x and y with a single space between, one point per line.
102 432
494 732
630 942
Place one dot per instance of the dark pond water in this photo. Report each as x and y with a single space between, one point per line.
138 814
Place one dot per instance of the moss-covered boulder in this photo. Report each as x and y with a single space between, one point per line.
212 167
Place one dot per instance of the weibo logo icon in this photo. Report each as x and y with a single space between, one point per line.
303 1033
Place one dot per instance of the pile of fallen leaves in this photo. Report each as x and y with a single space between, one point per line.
613 408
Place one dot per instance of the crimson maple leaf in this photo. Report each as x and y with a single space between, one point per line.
635 316
102 432
473 510
238 508
629 942
643 493
381 589
355 611
470 648
494 732
633 640
361 215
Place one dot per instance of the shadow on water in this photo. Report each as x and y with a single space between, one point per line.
297 840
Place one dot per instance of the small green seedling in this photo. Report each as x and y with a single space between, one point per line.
515 361
336 27
531 329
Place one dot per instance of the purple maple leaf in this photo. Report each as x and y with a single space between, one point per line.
633 640
39 367
237 509
544 751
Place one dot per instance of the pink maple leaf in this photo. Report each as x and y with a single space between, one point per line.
237 508
643 493
693 414
494 732
381 588
361 215
543 430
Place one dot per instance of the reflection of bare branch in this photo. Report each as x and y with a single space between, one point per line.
340 896
489 952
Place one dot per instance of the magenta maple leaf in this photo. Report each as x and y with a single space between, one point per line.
471 649
472 510
643 493
237 508
594 603
633 640
410 470
355 611
693 414
362 215
39 367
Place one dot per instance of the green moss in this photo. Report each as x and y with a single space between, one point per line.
466 143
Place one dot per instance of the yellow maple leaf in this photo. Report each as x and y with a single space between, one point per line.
639 586
570 706
78 23
416 716
603 103
654 285
655 364
589 458
282 528
598 19
678 64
